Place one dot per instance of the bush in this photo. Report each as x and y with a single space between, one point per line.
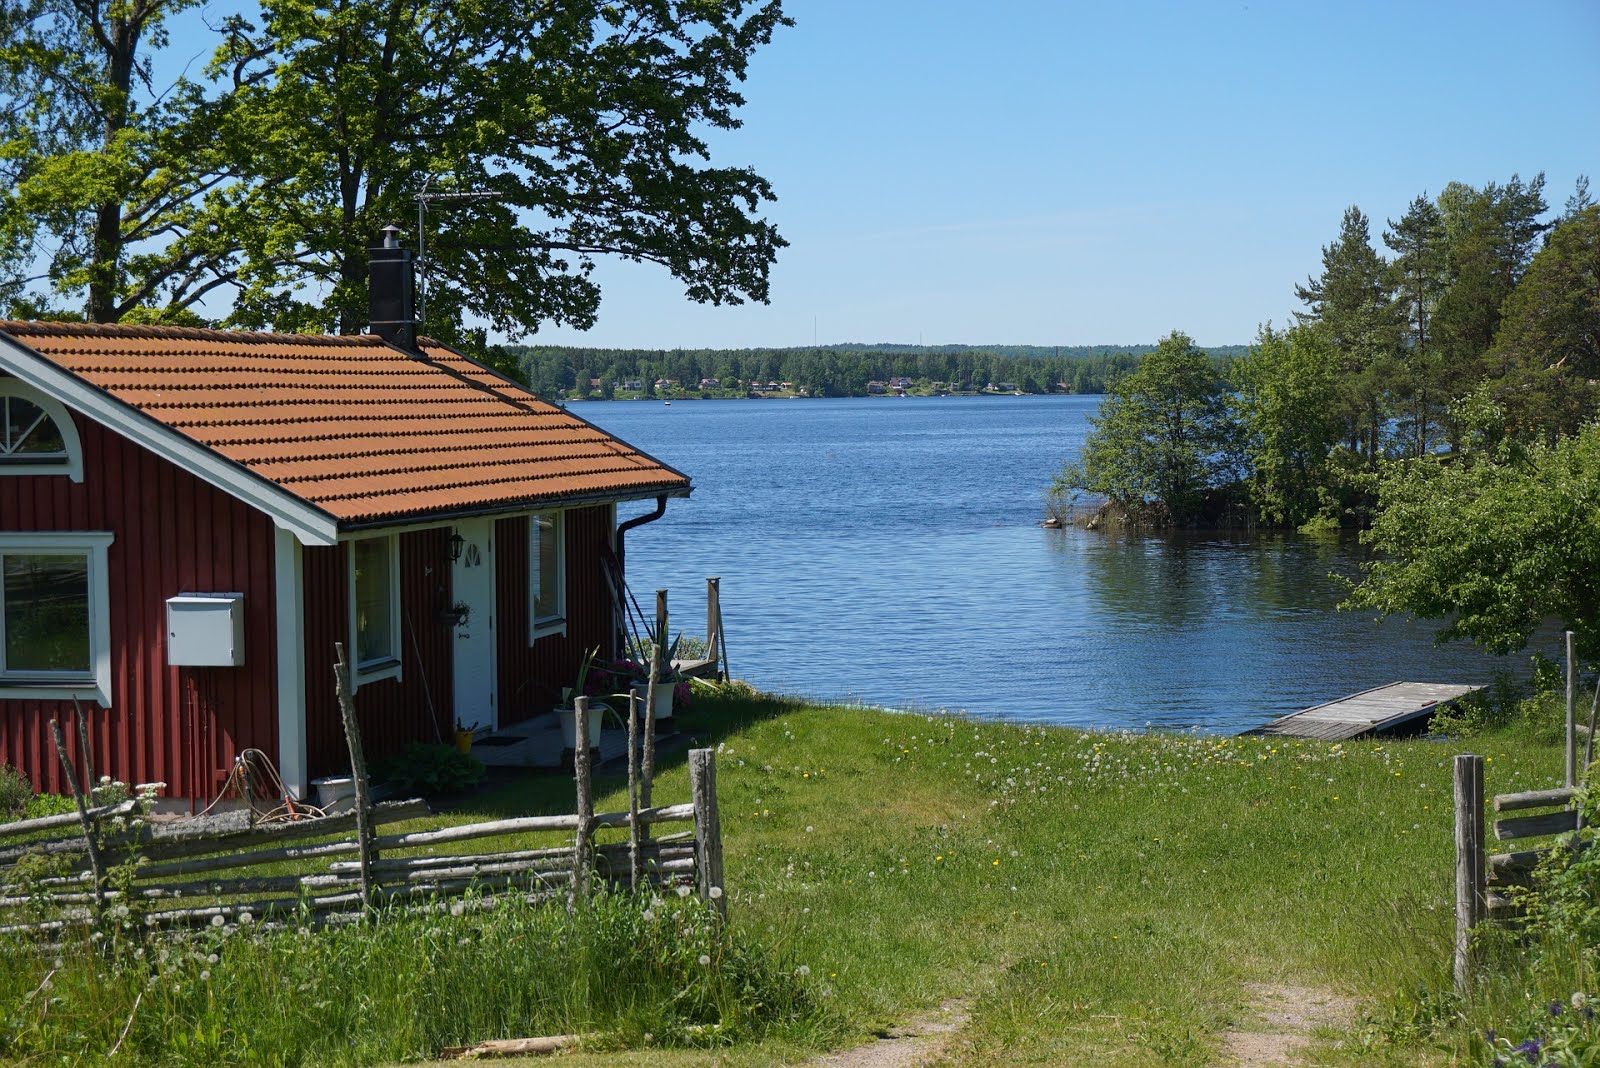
431 770
15 793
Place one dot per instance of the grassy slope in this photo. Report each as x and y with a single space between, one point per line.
1101 898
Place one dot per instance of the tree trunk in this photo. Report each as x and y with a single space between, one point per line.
106 260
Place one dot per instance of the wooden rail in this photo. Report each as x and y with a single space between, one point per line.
340 866
1485 883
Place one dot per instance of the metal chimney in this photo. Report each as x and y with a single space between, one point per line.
392 291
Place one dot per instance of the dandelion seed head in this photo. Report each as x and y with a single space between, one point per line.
705 960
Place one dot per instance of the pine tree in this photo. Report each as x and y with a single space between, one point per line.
1354 304
1417 276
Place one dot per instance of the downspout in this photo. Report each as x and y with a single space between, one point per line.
637 521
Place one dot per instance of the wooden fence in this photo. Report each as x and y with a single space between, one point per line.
1486 883
59 871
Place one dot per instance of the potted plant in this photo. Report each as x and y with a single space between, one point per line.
568 713
671 687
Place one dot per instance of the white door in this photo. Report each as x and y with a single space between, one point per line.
472 586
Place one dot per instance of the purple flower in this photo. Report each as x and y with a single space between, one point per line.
1530 1049
1555 1008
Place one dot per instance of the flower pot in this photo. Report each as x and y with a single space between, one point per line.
569 726
463 740
664 702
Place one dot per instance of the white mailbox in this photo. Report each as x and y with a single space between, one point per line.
205 630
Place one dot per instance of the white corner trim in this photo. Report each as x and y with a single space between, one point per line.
290 617
95 544
58 414
309 523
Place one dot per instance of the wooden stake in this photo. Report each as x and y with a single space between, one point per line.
707 828
581 860
358 771
89 780
1588 744
1471 888
634 870
714 623
91 846
657 652
1572 710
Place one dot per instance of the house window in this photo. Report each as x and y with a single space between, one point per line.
375 607
547 573
54 616
37 436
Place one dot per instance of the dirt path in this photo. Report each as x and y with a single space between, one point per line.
917 1042
1288 1016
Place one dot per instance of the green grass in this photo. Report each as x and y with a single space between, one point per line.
1102 899
1098 899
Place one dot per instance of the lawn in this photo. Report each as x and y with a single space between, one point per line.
1100 899
1095 899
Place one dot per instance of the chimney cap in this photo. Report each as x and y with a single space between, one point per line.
391 236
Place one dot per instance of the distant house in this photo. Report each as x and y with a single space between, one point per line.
666 383
191 519
711 383
877 388
900 383
633 385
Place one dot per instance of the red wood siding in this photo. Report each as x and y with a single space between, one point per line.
531 679
173 534
417 707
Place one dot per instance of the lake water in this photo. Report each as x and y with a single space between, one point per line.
888 551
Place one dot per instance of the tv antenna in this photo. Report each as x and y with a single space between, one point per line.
424 198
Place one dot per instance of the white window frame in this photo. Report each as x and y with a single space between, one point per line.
388 668
94 685
539 627
57 413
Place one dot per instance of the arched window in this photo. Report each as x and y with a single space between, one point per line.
36 434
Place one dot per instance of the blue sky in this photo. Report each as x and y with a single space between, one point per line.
1086 173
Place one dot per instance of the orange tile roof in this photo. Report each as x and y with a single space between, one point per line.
351 425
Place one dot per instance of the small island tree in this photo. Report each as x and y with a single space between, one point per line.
1163 443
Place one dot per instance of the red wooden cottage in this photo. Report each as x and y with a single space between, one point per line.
190 519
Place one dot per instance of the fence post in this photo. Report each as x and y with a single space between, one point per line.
1572 711
707 828
657 655
1470 864
96 867
580 767
358 772
714 626
635 869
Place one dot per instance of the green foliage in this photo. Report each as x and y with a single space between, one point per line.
430 770
1353 303
15 793
582 124
842 370
1163 435
1286 394
1546 356
1495 547
402 988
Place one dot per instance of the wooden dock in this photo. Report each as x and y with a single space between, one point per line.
1382 708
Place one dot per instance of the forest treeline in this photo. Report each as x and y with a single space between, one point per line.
828 371
1441 393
